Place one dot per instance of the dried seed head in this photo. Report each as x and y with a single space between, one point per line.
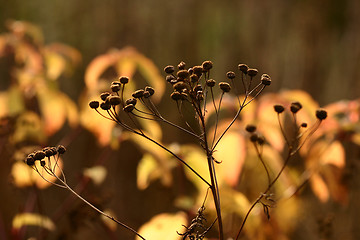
150 90
184 96
54 151
304 125
176 96
39 155
30 160
191 71
181 65
124 79
230 75
279 108
115 87
129 108
207 65
194 78
243 67
265 79
295 107
104 95
169 69
61 149
321 114
94 104
199 95
198 70
146 94
48 152
179 86
250 128
198 88
132 101
252 72
225 86
105 105
254 137
138 93
210 82
169 78
260 140
182 74
114 100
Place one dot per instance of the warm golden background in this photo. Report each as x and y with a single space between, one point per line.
313 46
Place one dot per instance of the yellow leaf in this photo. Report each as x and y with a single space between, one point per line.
55 65
147 171
163 226
97 174
32 219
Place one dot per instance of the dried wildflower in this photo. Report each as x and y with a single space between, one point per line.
132 101
48 152
150 90
182 74
198 70
114 100
61 149
230 75
199 95
198 88
129 108
169 69
243 67
105 105
254 137
265 79
260 140
321 114
169 78
104 95
176 96
194 78
138 93
30 160
250 128
124 80
225 86
279 108
304 125
179 86
210 82
207 65
183 96
39 155
181 65
295 107
252 72
115 87
94 104
146 94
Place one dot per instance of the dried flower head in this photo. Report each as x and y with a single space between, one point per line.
252 72
207 65
169 69
115 87
129 108
105 105
94 104
250 128
279 108
224 86
230 75
176 96
181 65
132 101
30 160
295 107
138 93
194 78
321 114
169 78
124 79
210 82
265 79
243 67
150 90
104 95
39 155
182 74
61 149
114 100
198 70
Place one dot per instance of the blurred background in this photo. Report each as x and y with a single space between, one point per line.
313 46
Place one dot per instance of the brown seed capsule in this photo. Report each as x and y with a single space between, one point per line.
104 95
146 94
252 72
207 65
321 114
129 108
225 86
115 87
243 67
250 128
105 105
304 125
176 96
48 152
114 100
254 137
30 160
132 101
181 65
194 78
61 149
261 140
265 79
279 108
138 93
169 78
210 82
199 95
182 74
124 79
230 75
198 88
169 69
191 71
39 155
53 150
179 86
94 104
295 107
184 96
150 90
198 70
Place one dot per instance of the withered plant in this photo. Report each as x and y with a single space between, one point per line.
192 89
